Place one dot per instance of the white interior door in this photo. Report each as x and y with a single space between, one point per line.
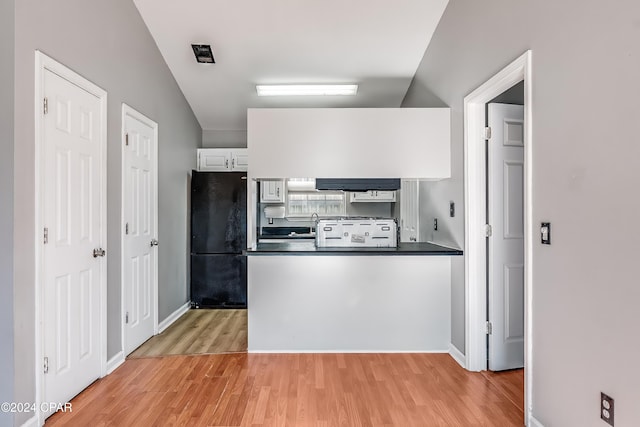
72 179
140 206
506 244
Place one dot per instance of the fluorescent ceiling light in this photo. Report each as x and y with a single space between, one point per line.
306 90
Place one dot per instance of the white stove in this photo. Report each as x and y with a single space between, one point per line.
357 232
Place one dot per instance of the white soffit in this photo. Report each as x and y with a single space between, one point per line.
377 44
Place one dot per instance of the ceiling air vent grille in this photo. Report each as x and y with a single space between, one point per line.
203 53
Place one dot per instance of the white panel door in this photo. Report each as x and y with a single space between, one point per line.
139 282
72 179
506 244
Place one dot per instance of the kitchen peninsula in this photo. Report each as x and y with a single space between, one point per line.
305 298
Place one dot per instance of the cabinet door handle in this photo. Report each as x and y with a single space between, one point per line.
277 191
226 163
233 163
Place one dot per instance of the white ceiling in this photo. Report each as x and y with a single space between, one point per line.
377 44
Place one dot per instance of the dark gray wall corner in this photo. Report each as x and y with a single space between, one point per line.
7 63
129 66
513 95
419 94
585 59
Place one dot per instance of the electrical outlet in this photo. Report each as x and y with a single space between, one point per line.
606 408
435 224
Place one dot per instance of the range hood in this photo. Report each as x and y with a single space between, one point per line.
358 184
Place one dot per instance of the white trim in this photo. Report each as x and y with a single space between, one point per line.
457 355
173 317
533 422
115 362
31 422
130 111
368 351
42 63
475 206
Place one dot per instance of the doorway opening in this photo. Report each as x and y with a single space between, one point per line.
504 150
476 227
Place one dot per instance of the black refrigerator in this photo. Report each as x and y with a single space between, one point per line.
218 237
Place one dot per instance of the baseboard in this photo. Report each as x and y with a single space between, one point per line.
115 362
162 326
344 352
533 422
457 355
31 422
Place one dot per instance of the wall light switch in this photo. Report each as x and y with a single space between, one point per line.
452 209
545 233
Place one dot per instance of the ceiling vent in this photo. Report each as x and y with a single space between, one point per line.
203 53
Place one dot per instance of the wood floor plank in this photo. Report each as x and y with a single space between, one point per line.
297 390
201 331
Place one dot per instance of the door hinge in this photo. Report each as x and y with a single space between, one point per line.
489 328
126 318
126 139
488 231
46 235
487 133
45 105
126 228
46 365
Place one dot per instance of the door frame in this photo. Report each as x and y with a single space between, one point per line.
130 111
475 202
45 63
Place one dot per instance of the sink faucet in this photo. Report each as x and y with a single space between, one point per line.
316 215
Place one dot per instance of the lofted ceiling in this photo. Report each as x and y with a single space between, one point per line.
377 44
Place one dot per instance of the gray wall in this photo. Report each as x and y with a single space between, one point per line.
6 205
224 138
586 62
107 43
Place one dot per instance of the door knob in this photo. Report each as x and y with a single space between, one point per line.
153 243
99 252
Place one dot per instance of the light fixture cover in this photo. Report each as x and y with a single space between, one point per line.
203 53
306 90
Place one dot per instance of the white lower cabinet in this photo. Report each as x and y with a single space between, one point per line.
223 159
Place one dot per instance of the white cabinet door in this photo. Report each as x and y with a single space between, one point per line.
239 160
223 159
373 196
409 224
272 191
214 160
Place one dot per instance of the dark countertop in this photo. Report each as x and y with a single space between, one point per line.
308 247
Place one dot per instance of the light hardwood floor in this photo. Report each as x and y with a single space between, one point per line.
295 390
200 332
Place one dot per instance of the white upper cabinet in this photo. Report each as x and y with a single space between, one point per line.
272 191
349 142
373 196
223 159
